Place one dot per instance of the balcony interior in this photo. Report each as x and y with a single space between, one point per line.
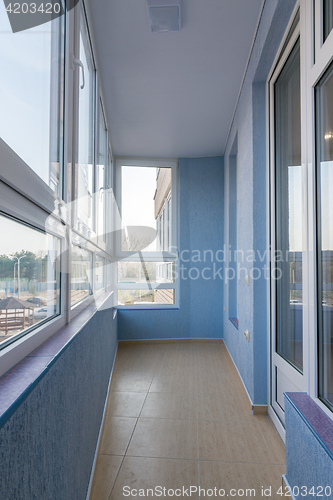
178 415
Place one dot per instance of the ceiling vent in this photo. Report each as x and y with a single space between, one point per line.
164 15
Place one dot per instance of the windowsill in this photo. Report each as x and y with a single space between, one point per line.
314 417
234 321
145 307
18 382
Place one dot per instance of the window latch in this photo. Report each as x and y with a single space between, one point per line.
79 63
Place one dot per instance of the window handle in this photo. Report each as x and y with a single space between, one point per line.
79 63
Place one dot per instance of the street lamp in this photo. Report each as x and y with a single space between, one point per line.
15 264
18 273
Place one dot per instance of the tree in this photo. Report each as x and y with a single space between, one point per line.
6 267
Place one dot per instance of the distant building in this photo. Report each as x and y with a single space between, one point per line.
162 208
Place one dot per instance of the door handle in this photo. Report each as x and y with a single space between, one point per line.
79 63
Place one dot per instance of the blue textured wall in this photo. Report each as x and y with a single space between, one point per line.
200 228
249 126
308 463
47 446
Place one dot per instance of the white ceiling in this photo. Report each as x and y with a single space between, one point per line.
171 95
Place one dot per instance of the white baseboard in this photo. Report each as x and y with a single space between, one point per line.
284 478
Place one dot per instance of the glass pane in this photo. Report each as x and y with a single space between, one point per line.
327 17
85 165
99 272
146 272
29 278
100 176
109 205
324 98
143 206
170 225
109 275
288 252
136 297
31 95
81 278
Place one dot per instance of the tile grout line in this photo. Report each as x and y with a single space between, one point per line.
136 423
159 358
190 459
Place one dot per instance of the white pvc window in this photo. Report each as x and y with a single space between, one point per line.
147 241
54 149
85 207
29 279
32 108
301 156
101 167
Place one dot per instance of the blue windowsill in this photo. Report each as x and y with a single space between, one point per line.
314 417
234 321
18 382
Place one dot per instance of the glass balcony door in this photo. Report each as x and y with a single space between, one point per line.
287 289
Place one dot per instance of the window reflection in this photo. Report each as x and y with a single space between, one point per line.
85 164
81 276
288 252
146 202
324 101
327 17
31 95
29 278
101 176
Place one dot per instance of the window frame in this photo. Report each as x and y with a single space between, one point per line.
157 256
316 56
313 72
24 196
16 173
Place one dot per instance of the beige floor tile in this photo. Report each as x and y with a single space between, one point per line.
234 442
179 380
164 438
281 469
236 449
106 470
273 440
239 476
138 358
225 407
131 382
116 434
177 361
163 405
125 404
143 473
215 382
213 351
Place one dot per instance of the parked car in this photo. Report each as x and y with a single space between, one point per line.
38 301
40 313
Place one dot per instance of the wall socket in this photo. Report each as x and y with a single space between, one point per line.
247 335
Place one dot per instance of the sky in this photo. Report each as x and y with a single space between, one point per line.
295 208
137 198
20 237
138 189
25 92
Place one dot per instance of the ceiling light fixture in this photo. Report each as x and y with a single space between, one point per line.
164 15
